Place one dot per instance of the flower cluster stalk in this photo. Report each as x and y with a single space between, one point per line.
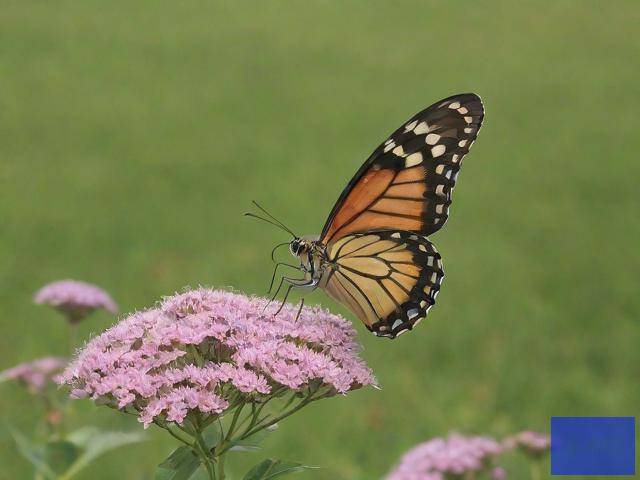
246 420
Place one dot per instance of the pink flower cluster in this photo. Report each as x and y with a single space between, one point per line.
531 442
35 374
75 298
452 457
203 349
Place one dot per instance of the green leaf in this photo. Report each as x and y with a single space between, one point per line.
60 455
270 468
34 454
180 465
94 443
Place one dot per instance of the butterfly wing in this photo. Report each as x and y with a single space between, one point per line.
389 279
407 181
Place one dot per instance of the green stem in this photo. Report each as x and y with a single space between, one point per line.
176 436
255 414
261 426
253 428
236 415
221 467
535 470
213 459
73 338
209 466
193 427
205 454
218 448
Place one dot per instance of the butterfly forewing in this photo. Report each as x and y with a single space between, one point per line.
382 266
389 279
407 181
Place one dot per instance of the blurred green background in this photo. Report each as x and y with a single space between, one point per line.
133 135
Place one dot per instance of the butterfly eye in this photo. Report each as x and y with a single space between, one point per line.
294 247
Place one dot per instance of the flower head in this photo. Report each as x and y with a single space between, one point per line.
444 458
75 299
498 473
207 350
531 442
35 374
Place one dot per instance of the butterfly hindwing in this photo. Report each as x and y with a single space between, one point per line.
407 181
389 278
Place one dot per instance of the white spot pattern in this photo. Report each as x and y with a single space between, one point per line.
432 138
399 151
421 128
413 160
410 126
438 150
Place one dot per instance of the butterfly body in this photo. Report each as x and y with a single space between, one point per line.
373 254
312 257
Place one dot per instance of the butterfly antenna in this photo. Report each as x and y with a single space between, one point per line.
273 218
253 215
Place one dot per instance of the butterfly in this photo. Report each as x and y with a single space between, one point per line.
373 254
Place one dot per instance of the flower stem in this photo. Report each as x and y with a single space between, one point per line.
73 338
236 415
300 405
255 426
535 470
194 427
201 447
221 467
210 467
176 436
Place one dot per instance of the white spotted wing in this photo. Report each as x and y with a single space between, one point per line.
400 195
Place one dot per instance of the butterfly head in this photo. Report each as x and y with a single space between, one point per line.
306 246
299 246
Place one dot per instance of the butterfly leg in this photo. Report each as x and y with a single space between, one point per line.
275 270
300 309
282 280
294 282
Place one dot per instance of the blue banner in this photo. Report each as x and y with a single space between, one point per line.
593 446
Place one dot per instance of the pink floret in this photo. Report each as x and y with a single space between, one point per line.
442 458
35 375
530 441
74 298
199 349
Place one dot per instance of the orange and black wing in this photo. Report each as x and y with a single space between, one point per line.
389 279
407 181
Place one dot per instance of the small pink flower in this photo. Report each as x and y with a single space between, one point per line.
529 441
75 299
498 473
442 458
199 350
35 374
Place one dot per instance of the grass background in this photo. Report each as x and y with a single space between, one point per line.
133 135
